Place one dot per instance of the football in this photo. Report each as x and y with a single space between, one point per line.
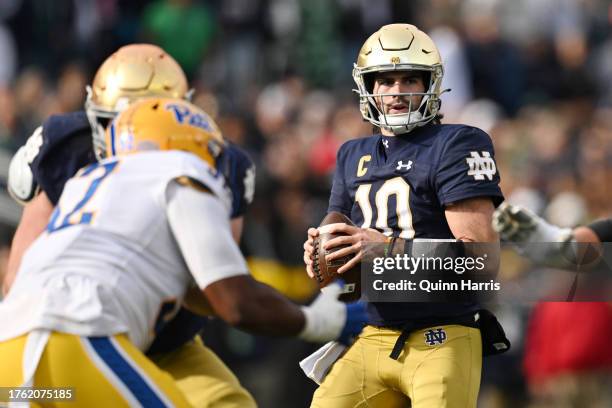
326 272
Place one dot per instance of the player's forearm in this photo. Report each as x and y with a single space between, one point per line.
584 235
269 313
33 221
247 304
597 231
237 226
470 220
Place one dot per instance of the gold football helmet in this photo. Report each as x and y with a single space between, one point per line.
132 72
164 124
398 47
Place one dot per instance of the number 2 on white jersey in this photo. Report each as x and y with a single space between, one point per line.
77 215
396 186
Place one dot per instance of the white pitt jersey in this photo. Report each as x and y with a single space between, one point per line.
109 262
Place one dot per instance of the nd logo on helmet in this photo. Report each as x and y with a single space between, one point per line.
183 115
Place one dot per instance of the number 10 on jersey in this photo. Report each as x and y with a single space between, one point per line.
401 190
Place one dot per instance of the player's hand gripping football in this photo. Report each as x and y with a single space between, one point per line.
355 237
309 250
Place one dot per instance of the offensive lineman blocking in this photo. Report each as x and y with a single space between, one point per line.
64 144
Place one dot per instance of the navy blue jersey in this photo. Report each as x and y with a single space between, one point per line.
67 147
239 170
401 185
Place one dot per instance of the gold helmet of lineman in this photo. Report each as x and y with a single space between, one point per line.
132 72
164 124
399 47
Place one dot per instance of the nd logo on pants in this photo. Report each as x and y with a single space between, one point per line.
438 367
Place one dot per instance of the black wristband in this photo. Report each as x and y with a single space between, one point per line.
408 247
443 248
603 229
389 249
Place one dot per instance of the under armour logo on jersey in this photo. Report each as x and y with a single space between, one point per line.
401 165
481 166
433 337
386 143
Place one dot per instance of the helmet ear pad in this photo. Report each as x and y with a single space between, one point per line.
426 78
368 81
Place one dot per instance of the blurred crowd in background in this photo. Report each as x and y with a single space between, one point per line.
276 75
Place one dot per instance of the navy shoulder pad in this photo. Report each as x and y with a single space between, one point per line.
67 146
58 127
239 171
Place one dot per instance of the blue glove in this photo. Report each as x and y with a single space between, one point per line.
356 319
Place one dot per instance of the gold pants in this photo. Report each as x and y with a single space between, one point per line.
102 372
437 368
203 377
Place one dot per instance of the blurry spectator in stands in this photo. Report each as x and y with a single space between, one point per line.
319 48
568 359
276 106
31 94
45 33
184 28
8 53
456 72
243 26
8 120
495 63
346 123
70 92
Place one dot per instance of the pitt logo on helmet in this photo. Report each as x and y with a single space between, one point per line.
183 114
165 124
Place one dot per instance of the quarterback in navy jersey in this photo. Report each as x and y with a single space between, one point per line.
64 144
415 178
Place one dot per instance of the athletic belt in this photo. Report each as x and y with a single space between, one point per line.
468 320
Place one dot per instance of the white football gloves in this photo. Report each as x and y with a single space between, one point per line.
328 319
533 237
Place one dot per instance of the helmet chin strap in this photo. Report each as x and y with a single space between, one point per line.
400 123
99 143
